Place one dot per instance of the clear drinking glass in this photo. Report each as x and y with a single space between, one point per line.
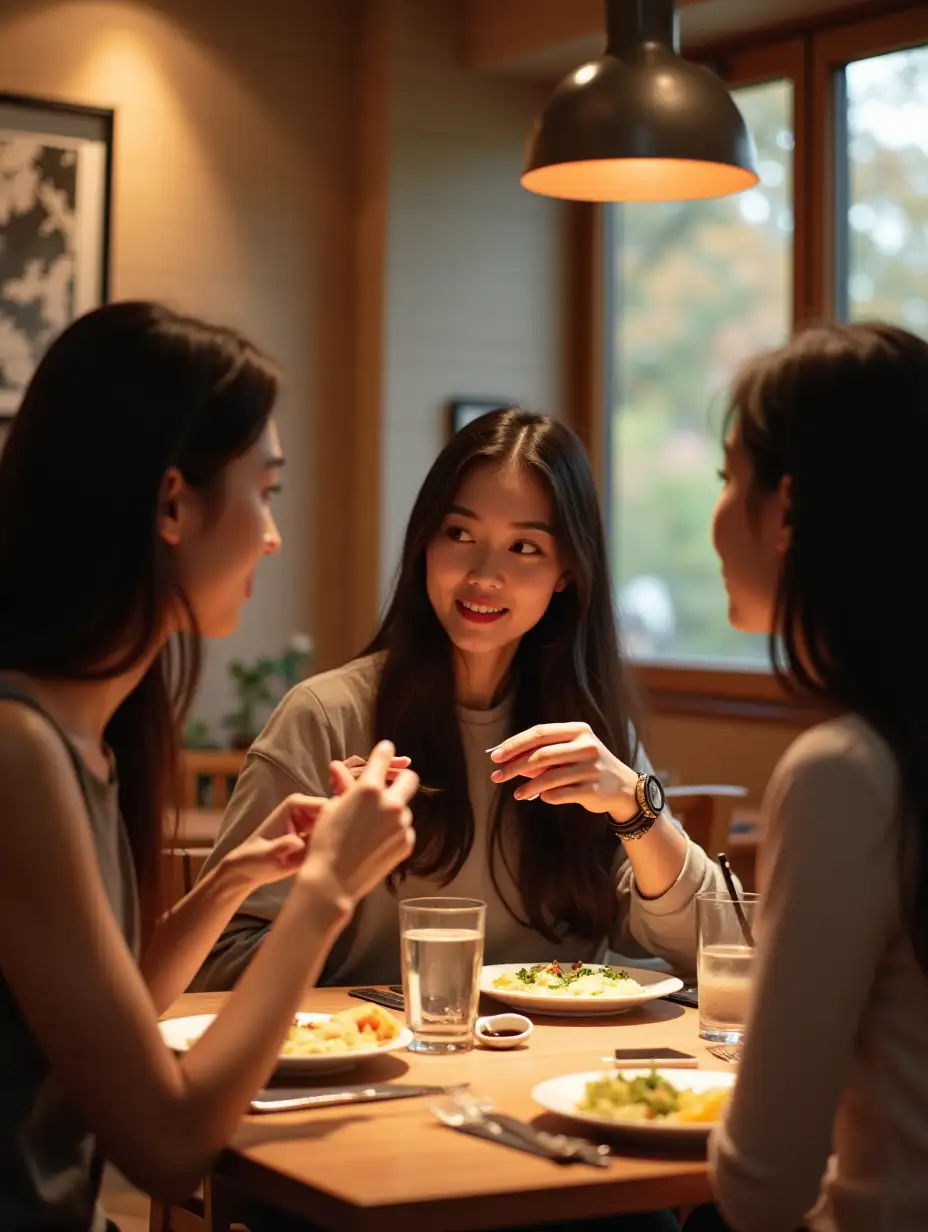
441 941
725 966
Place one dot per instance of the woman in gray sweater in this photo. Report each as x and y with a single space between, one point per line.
497 673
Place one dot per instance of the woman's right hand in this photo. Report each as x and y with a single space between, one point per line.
356 764
362 834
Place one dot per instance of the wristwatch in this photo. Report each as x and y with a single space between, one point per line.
651 800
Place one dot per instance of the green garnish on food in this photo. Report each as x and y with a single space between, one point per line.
650 1097
559 978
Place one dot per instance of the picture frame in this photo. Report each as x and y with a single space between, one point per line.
56 189
462 411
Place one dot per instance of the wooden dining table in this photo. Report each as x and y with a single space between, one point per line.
392 1165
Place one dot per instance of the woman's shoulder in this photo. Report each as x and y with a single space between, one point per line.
353 682
840 765
847 743
340 700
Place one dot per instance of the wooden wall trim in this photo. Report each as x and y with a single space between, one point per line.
583 316
754 695
375 25
500 31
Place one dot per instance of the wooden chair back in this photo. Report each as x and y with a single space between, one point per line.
208 776
705 812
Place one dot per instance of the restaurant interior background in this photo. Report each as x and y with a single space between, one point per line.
340 178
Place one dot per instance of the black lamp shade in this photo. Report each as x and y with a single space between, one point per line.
640 123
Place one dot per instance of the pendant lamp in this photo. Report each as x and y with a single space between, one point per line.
640 123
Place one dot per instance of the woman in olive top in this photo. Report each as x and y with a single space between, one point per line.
500 636
134 508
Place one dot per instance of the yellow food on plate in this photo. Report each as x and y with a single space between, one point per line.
367 1026
649 1097
576 980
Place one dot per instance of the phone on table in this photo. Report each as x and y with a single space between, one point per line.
688 996
389 1000
667 1058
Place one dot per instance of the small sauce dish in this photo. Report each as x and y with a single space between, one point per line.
503 1030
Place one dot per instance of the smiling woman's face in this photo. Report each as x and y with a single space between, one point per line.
493 566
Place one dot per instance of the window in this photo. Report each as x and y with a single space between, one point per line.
837 227
882 181
693 290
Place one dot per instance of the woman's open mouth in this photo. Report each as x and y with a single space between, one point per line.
479 613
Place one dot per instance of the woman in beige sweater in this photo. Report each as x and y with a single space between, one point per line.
822 534
497 673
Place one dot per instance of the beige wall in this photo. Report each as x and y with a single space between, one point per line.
242 192
474 287
699 749
234 189
246 138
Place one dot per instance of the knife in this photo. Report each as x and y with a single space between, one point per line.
508 1132
292 1099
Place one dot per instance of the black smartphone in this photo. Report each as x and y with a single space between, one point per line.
387 999
688 996
397 988
655 1056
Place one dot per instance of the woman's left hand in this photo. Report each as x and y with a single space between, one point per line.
567 763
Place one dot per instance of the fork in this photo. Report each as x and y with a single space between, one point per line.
475 1109
727 1052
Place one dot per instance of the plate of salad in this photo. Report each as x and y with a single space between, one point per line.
576 989
674 1105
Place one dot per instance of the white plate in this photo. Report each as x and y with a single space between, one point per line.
654 984
178 1032
562 1095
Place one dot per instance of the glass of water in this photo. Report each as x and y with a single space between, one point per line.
725 966
442 951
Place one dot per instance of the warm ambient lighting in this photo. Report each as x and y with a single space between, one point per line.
640 123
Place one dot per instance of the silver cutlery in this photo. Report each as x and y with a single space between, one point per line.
727 1052
475 1115
290 1099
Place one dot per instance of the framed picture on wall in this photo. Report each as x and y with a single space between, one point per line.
56 173
462 411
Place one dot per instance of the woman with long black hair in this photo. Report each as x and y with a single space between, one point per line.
497 675
823 539
134 508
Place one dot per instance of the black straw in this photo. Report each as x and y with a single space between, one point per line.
736 901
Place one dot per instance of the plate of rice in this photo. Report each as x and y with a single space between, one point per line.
315 1043
583 990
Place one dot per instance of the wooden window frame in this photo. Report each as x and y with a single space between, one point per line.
809 58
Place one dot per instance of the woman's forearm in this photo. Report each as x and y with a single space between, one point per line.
185 935
657 858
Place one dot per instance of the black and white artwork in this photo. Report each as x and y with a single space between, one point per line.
55 174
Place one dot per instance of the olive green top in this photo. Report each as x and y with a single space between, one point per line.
50 1165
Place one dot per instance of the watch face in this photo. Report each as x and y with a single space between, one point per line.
654 794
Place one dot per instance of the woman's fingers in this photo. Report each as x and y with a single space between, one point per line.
532 764
561 776
536 737
403 787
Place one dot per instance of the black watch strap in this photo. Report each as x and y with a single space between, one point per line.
651 799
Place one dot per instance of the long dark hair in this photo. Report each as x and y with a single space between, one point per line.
843 411
124 393
566 668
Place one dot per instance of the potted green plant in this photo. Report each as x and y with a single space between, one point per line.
261 684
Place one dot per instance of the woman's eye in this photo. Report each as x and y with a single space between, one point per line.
457 534
523 547
272 491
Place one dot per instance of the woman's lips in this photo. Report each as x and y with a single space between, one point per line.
479 618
